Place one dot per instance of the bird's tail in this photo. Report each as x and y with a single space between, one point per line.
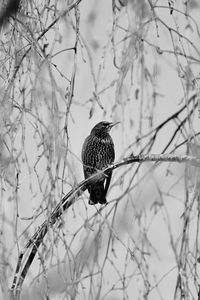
97 194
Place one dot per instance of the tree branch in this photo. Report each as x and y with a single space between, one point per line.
36 240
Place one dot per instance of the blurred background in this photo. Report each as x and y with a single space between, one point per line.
65 66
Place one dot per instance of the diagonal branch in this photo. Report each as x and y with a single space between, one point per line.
65 12
36 240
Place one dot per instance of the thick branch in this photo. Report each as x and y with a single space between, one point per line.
69 199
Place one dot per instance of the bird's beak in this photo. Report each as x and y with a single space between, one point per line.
113 124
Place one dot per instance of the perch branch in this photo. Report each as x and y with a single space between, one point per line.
36 240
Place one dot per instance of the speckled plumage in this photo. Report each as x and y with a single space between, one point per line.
98 153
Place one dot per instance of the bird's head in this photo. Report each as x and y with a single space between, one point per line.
103 127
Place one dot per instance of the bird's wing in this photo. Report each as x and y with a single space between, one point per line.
108 179
111 152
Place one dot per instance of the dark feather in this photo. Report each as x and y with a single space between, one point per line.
98 153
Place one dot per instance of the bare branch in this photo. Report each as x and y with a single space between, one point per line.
69 199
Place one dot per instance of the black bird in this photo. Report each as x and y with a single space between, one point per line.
97 153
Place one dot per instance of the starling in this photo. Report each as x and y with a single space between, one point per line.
98 153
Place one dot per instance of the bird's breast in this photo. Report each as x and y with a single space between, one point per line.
98 152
